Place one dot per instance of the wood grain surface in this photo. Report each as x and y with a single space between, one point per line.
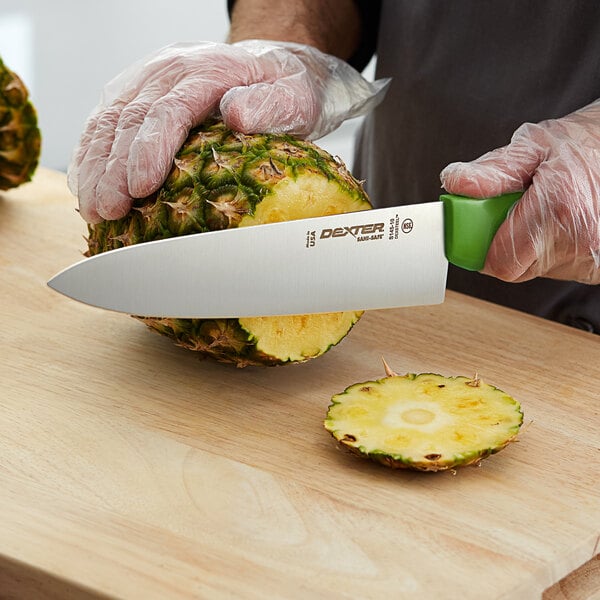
131 469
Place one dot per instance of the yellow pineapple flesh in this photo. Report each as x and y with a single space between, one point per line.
426 421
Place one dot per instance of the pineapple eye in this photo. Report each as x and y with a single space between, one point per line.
433 456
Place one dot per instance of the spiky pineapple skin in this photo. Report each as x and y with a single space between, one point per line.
222 179
20 138
474 393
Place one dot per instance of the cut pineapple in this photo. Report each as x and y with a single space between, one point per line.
222 179
426 422
311 334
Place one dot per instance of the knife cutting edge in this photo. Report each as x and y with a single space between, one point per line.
380 258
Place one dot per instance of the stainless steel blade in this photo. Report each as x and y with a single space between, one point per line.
364 260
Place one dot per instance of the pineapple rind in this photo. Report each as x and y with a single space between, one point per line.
221 179
366 416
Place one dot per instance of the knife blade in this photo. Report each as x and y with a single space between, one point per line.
380 258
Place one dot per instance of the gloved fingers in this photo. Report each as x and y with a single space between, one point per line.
503 170
130 92
517 255
95 158
586 268
104 145
113 202
206 76
513 250
116 95
554 229
164 129
112 197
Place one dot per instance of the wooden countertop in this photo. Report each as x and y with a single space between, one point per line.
130 469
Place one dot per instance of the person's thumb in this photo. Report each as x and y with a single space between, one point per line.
280 107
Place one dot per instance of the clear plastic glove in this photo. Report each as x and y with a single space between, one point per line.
554 230
146 112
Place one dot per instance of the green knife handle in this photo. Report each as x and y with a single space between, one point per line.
470 225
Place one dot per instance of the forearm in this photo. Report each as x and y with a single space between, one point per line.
332 26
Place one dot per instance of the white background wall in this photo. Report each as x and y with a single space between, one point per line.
66 50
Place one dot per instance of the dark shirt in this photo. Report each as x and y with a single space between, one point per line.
465 74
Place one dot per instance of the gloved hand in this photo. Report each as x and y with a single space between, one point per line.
554 229
146 112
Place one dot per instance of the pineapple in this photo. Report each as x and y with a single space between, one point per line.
222 179
425 422
20 139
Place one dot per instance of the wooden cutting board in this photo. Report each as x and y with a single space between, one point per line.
131 469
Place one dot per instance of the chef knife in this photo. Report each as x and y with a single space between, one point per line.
373 259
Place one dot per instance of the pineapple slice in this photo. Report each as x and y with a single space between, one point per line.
425 421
